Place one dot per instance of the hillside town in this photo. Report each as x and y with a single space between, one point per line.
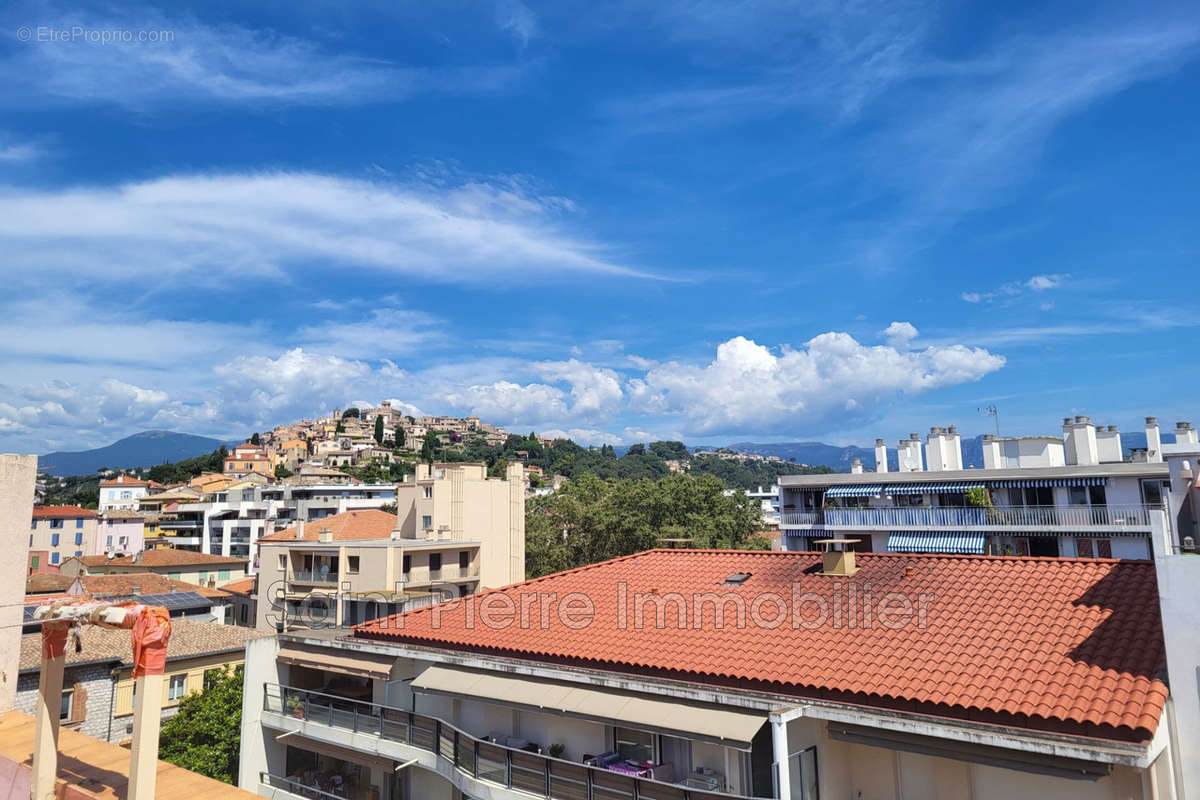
538 400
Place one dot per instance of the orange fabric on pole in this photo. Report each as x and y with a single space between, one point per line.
54 639
151 631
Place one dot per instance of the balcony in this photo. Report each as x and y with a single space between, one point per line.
1067 518
476 766
323 577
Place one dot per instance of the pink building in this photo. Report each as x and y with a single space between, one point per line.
120 532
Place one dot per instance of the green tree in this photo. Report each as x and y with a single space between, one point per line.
636 450
254 439
350 412
205 734
379 430
591 519
283 472
429 446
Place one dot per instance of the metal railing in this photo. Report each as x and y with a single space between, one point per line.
801 518
521 770
292 787
314 576
1115 516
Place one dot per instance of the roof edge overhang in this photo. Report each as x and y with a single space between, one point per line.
1137 754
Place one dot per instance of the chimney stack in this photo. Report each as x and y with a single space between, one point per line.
838 559
1079 441
1185 433
1108 445
325 535
856 466
943 450
908 455
1153 441
880 456
299 530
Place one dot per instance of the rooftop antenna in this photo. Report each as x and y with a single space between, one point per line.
992 412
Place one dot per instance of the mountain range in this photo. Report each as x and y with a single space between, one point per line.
143 449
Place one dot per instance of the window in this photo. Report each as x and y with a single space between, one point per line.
173 576
78 553
31 540
634 745
33 527
64 711
211 676
428 490
1083 548
54 540
407 564
124 540
56 523
802 774
108 541
464 559
426 521
35 562
223 575
176 689
244 613
79 538
1104 548
352 564
79 523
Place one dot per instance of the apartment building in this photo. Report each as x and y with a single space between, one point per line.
249 459
456 531
1074 495
58 533
120 532
97 697
123 492
698 675
231 521
200 569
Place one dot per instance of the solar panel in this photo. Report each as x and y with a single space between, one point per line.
175 600
29 613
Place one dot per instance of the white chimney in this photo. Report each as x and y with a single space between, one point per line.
1185 433
856 466
908 454
1079 441
943 450
325 535
1108 445
880 456
299 529
1153 441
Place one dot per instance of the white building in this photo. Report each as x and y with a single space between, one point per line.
1002 678
1043 496
123 492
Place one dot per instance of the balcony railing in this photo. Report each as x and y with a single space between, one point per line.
801 518
1074 517
520 770
314 576
298 789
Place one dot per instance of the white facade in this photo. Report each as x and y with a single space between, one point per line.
122 492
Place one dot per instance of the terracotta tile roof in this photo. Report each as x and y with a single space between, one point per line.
161 557
347 526
95 769
242 586
54 512
189 639
1070 645
127 584
41 582
126 480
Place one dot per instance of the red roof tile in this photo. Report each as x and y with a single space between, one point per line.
1073 645
348 526
161 557
54 512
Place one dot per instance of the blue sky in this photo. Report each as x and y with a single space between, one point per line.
700 220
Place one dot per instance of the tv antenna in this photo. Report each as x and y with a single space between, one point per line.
992 412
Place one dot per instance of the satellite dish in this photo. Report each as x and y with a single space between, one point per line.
910 464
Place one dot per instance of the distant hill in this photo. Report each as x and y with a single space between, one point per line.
839 457
143 449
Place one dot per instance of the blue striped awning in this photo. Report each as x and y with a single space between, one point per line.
931 488
1042 483
854 491
949 542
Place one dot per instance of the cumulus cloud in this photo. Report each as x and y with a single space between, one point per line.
899 334
507 401
231 225
831 378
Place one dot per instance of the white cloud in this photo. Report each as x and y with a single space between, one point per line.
212 226
1039 283
972 297
516 18
510 402
899 334
595 392
748 388
189 62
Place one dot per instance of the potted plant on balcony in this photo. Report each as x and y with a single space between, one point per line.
295 706
982 498
557 749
